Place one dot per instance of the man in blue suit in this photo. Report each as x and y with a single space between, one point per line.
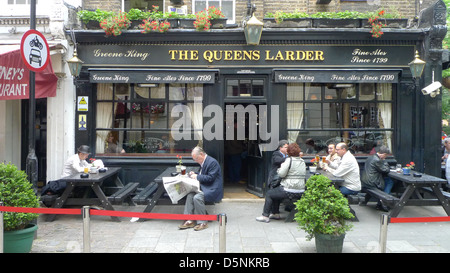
210 178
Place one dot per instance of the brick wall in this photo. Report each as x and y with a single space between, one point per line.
407 8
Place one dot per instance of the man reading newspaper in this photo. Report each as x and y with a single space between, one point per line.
209 178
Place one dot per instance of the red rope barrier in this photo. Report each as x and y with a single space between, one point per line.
113 213
420 219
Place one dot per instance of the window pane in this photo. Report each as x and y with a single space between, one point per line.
232 88
258 88
227 10
199 5
331 93
245 87
313 115
158 92
177 91
313 92
367 91
194 91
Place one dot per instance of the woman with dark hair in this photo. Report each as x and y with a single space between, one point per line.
293 171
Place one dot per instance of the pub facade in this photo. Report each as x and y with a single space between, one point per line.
143 100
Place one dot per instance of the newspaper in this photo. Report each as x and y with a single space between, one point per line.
179 186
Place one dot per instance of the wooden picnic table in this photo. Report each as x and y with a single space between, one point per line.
414 192
94 181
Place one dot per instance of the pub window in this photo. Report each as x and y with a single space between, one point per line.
358 114
226 6
245 88
135 119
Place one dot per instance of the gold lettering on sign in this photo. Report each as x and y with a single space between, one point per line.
298 55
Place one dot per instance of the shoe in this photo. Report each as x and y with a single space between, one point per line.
263 218
186 225
201 226
275 216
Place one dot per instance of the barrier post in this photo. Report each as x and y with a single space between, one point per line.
1 229
86 230
383 232
222 233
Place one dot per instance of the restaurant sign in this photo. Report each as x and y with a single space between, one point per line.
152 76
338 76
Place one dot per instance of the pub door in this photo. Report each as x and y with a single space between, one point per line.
244 163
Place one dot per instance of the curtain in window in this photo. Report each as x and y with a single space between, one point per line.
196 109
104 116
385 110
295 110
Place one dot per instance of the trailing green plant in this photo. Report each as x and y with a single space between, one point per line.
155 13
97 15
137 14
322 209
171 15
113 25
16 191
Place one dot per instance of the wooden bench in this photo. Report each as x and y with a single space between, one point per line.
378 194
142 197
430 190
124 194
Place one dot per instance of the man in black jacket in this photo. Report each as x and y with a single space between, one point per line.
375 173
278 157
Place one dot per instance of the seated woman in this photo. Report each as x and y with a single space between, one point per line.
293 171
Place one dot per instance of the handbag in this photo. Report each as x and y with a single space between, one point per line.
276 179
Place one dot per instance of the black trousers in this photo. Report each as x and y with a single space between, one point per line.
274 197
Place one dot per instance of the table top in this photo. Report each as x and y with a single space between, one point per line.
93 177
424 179
333 178
169 170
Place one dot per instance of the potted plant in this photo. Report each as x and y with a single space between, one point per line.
113 25
313 167
322 212
180 164
408 168
202 22
281 19
136 16
91 19
154 26
16 191
186 21
216 17
172 18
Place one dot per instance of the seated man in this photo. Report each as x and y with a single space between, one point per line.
73 165
347 169
210 178
332 160
375 174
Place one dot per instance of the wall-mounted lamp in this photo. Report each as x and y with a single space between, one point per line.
252 27
74 63
417 66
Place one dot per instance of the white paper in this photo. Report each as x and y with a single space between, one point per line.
179 186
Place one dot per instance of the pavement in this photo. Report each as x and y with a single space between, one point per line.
243 233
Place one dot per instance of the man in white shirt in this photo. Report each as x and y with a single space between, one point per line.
77 162
348 169
333 160
73 165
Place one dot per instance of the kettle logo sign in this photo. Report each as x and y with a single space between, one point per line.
34 50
